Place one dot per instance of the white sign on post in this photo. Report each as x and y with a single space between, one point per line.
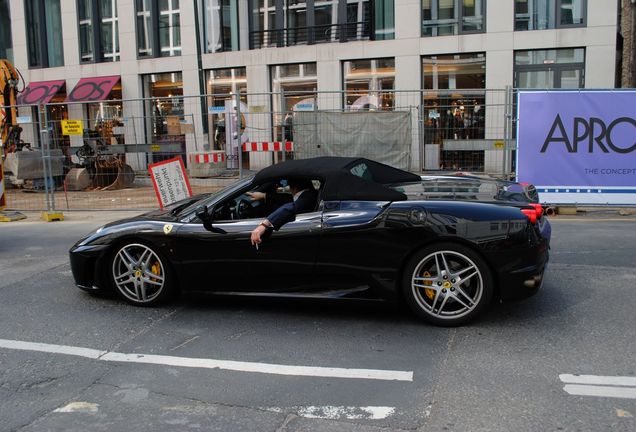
170 181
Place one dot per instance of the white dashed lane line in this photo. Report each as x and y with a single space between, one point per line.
204 363
600 386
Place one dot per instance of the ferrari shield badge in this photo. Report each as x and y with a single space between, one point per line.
167 228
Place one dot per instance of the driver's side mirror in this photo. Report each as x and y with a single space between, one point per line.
204 213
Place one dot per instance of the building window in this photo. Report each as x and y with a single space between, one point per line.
294 89
164 113
369 84
279 23
384 20
158 28
546 69
454 100
549 14
98 30
44 33
221 25
452 17
6 44
169 28
222 87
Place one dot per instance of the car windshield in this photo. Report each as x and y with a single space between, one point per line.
188 212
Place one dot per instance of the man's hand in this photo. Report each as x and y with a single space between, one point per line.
256 196
259 231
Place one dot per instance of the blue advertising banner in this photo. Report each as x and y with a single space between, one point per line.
578 147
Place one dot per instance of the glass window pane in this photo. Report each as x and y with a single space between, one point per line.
454 100
446 9
540 57
299 84
324 29
472 15
522 15
85 30
107 38
223 84
109 34
169 28
536 79
34 27
460 71
55 46
144 28
571 79
6 44
369 84
572 12
106 8
212 20
384 20
296 16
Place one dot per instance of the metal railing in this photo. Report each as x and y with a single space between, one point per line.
222 137
327 33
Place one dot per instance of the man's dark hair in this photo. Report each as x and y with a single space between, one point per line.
300 184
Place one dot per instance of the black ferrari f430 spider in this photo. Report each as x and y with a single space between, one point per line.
446 245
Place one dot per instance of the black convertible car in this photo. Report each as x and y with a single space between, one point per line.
446 245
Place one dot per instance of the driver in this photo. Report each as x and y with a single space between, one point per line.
304 200
268 197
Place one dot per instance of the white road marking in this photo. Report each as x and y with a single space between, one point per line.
602 391
340 412
83 407
266 368
601 386
598 380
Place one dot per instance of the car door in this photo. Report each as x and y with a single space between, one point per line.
226 261
285 261
352 249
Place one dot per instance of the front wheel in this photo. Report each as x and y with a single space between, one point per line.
447 284
141 276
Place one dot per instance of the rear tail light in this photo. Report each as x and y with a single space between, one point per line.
531 214
539 209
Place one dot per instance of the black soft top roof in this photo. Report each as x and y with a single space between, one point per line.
370 181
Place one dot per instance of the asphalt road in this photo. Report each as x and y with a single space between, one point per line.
523 366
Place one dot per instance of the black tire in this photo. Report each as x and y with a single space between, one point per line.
460 281
141 275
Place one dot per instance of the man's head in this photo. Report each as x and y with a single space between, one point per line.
297 185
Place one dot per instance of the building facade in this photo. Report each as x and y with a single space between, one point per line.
366 51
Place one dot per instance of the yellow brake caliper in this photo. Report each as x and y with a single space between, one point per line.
156 269
430 293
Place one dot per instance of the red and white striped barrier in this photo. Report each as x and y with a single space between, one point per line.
207 157
268 146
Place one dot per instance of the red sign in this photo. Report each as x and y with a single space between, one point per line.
92 89
170 181
40 92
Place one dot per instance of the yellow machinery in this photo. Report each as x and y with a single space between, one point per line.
10 131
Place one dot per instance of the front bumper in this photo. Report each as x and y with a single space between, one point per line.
86 267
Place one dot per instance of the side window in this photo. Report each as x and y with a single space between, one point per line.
362 170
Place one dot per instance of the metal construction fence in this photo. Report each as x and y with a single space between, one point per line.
95 155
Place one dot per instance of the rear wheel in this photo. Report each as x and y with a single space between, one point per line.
141 276
447 284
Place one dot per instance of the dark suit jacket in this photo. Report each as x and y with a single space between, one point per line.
305 203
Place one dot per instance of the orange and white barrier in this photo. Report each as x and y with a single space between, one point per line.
206 158
268 146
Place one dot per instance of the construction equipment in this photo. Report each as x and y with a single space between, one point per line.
97 169
9 129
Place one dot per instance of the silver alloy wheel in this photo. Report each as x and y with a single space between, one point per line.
447 284
138 273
